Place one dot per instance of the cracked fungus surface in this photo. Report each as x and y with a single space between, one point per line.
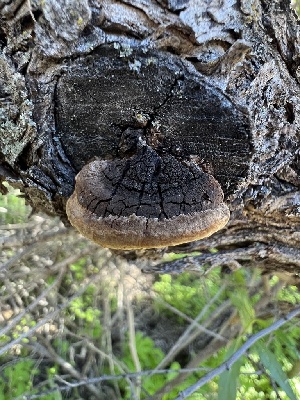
146 185
145 201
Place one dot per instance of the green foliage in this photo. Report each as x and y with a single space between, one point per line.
241 300
81 309
84 308
276 358
12 207
290 294
16 379
185 292
78 269
296 6
149 357
250 378
286 343
271 363
148 354
229 380
177 256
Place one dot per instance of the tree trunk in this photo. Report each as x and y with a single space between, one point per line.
205 86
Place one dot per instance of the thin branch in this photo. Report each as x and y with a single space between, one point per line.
107 332
187 318
55 358
14 241
228 363
227 330
61 266
30 10
92 347
12 323
103 378
132 346
12 227
16 257
49 316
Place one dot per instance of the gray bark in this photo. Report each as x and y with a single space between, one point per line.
246 52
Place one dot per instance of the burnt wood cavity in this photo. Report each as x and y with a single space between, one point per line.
169 105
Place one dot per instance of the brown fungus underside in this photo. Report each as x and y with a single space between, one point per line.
156 147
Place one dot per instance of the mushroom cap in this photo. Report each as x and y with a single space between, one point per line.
144 201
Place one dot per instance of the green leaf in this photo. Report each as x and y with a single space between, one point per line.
271 363
228 381
241 300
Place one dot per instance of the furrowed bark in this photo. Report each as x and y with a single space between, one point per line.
246 54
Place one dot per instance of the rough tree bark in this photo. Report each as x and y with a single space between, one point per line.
208 83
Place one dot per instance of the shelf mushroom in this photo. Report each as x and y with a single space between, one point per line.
146 200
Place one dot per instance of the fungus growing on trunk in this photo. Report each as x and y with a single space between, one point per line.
146 201
155 148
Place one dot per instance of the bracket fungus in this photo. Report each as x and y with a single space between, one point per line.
155 149
146 201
